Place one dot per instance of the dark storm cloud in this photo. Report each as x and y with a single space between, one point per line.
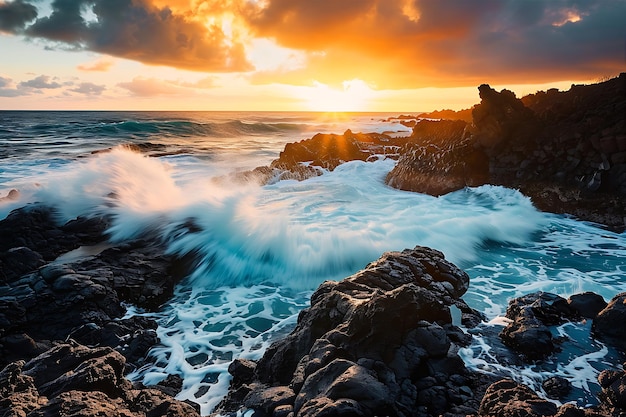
137 30
15 15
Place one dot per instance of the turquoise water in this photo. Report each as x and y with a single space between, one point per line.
263 249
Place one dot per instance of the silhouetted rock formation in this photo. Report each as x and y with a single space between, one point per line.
437 146
567 150
446 114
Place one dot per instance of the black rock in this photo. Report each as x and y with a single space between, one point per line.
587 304
609 324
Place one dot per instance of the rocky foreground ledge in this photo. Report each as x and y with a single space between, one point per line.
384 341
64 346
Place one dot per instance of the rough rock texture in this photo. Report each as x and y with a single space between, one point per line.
74 380
566 150
435 146
613 385
507 398
330 150
532 315
609 325
82 300
44 303
528 332
380 342
30 237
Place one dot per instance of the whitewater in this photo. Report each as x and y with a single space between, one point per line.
261 250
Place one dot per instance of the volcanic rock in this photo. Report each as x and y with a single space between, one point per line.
609 323
74 380
566 150
380 342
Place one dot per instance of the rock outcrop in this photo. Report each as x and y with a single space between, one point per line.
609 324
48 306
436 147
566 150
533 315
381 342
74 380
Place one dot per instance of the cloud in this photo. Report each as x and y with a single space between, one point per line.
419 43
88 89
8 90
140 31
150 87
15 15
41 82
390 44
204 83
101 65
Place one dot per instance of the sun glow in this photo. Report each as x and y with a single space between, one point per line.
355 95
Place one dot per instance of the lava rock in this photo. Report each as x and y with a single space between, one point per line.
368 343
74 380
609 323
587 304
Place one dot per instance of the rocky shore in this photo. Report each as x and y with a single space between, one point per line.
565 150
384 341
64 344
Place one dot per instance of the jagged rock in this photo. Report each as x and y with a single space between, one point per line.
507 398
74 380
438 159
557 387
613 385
369 344
609 323
330 150
587 304
566 150
528 332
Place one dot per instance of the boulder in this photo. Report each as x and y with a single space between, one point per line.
587 304
507 398
528 331
74 380
609 323
613 385
380 342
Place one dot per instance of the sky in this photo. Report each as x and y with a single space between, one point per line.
299 55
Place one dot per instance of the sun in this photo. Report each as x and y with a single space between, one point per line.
355 95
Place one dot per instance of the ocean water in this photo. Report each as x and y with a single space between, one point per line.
262 250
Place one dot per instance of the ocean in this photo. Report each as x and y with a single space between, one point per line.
263 249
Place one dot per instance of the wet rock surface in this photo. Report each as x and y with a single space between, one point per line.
75 380
565 150
380 342
52 310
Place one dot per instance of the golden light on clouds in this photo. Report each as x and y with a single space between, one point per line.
346 54
100 65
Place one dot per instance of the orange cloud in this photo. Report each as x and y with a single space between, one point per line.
404 43
389 44
101 65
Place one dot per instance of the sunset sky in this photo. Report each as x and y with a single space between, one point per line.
321 55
